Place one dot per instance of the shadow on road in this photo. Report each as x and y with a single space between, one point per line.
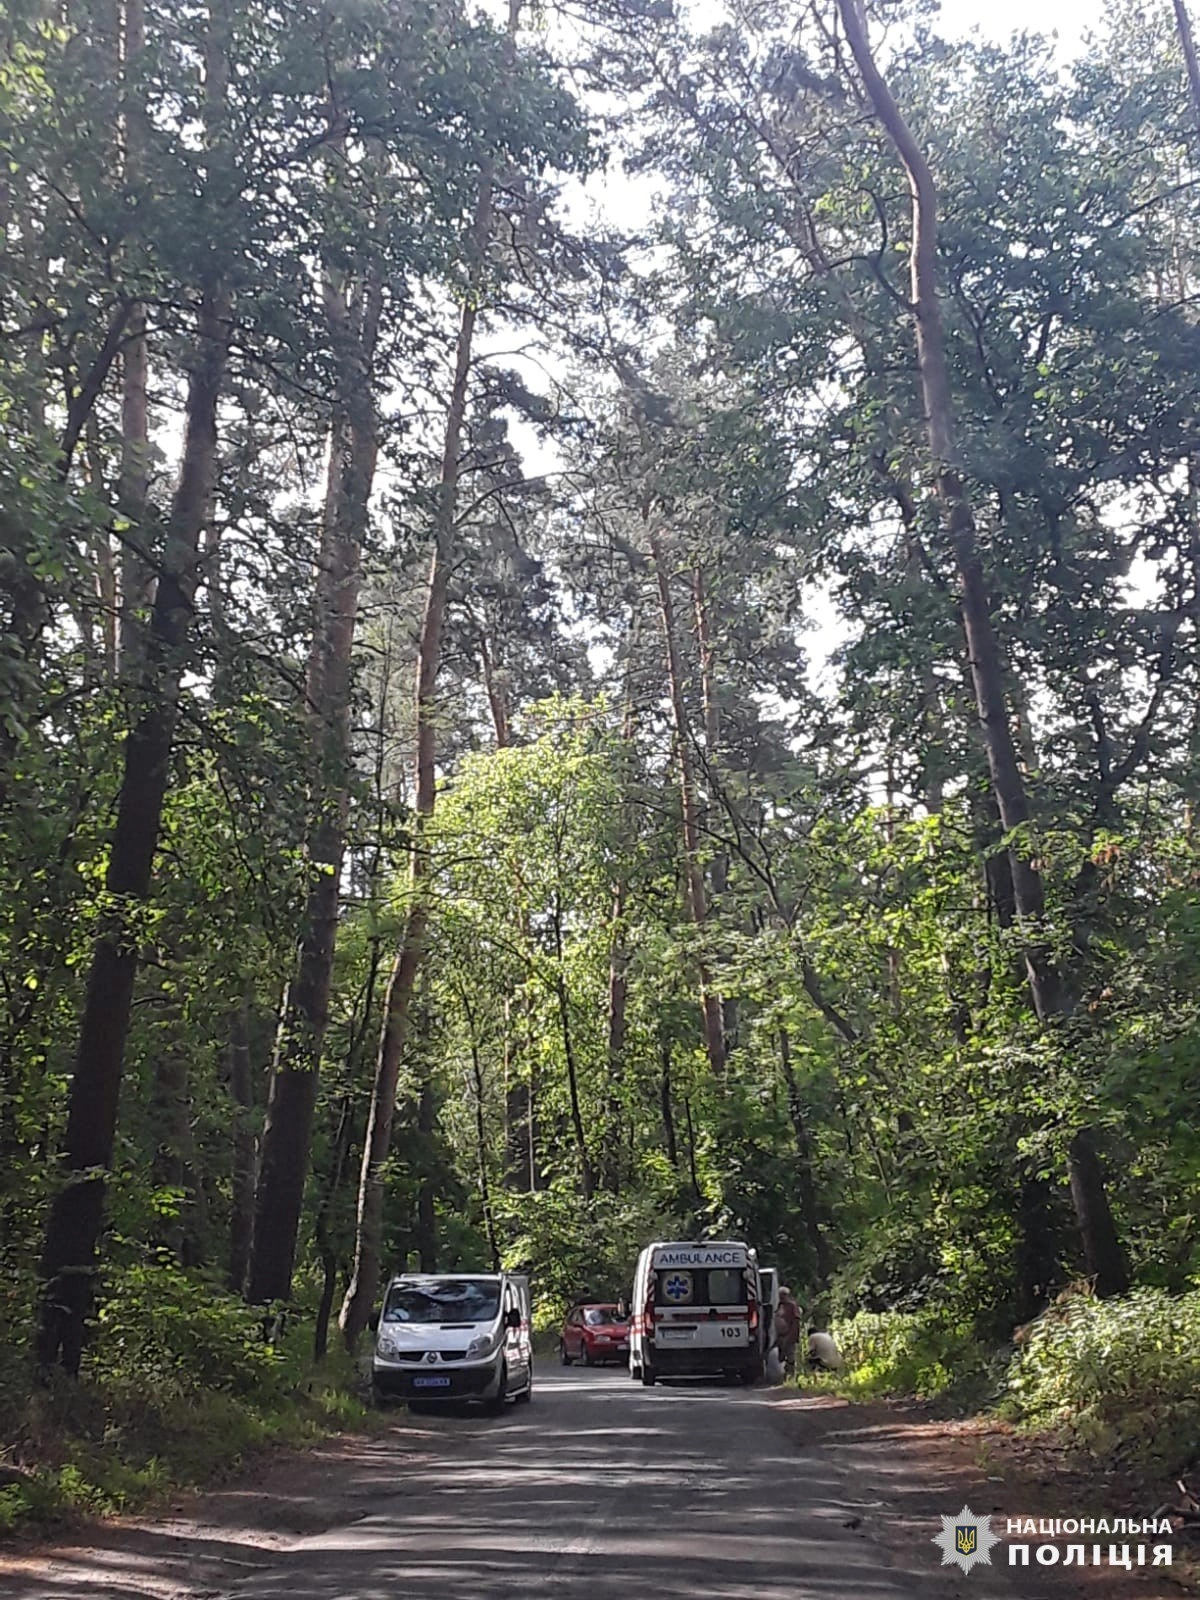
599 1488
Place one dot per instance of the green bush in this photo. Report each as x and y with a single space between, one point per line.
901 1353
178 1385
1120 1379
160 1325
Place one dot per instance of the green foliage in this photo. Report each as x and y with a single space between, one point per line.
1119 1379
160 1325
897 1354
892 1125
179 1388
574 1250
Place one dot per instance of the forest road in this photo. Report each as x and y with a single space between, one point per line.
597 1490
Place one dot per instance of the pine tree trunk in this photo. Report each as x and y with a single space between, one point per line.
517 1171
618 952
481 1160
292 1096
1184 24
587 1175
695 897
718 871
175 1165
1038 1242
136 578
427 1242
697 1195
497 703
1092 1211
364 1282
241 1093
73 1229
666 1103
342 1141
806 1189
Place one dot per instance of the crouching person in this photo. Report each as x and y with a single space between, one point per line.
823 1353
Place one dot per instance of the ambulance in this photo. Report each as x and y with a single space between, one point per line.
698 1308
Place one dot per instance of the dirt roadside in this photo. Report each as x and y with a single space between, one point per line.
202 1541
914 1467
908 1468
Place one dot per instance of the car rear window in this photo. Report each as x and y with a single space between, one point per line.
697 1286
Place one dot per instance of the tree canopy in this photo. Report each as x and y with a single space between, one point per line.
521 734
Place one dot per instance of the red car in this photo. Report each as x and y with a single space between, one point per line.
592 1334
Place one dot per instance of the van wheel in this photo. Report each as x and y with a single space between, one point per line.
495 1406
648 1377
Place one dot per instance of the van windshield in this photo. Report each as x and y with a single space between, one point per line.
449 1300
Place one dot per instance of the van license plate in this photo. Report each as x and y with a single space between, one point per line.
431 1383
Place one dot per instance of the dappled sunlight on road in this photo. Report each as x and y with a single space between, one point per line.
599 1487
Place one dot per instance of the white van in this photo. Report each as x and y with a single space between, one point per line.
697 1308
454 1337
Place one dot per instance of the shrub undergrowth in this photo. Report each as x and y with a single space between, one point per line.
894 1354
1118 1379
178 1387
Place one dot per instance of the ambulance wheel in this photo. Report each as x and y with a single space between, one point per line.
526 1394
635 1372
648 1377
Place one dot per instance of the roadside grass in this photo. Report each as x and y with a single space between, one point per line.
87 1449
923 1355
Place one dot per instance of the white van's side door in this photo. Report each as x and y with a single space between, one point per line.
516 1340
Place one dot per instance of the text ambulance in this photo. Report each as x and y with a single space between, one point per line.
697 1308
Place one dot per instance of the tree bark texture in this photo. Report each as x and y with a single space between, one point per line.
292 1097
1183 23
364 1282
806 1188
73 1229
1092 1210
133 484
241 1094
695 896
618 951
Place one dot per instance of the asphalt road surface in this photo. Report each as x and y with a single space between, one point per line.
598 1489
